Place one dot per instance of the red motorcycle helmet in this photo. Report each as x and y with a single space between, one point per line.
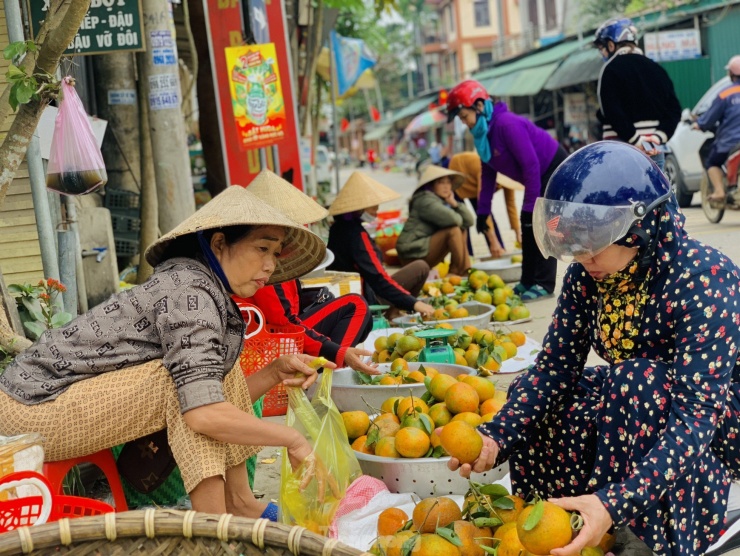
464 95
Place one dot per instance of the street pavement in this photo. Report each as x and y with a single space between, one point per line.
724 236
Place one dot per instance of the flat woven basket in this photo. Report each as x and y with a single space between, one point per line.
169 533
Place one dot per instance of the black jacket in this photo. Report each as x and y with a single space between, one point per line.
355 251
636 97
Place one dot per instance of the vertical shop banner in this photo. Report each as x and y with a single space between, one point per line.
256 95
225 28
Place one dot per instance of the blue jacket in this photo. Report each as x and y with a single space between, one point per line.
725 110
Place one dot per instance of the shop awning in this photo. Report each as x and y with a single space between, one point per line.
378 133
426 120
528 74
414 107
522 83
580 67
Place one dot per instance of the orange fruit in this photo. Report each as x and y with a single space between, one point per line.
510 348
435 438
439 385
491 406
386 448
385 427
433 512
389 380
380 547
509 543
430 371
399 365
461 441
433 545
387 405
510 515
459 313
405 406
415 376
359 445
551 531
412 442
472 419
519 338
487 417
470 329
384 356
484 387
461 397
387 416
356 423
455 280
472 538
447 288
391 520
439 414
440 314
396 543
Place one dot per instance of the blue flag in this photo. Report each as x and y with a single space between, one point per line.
352 58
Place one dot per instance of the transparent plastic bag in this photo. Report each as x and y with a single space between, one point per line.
334 465
75 164
24 452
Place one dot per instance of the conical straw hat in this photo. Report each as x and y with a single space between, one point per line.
361 192
235 206
433 172
285 197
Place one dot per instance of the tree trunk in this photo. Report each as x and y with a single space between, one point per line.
166 125
149 202
63 20
14 147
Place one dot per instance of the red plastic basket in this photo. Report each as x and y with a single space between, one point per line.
262 344
26 511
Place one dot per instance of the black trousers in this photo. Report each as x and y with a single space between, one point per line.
536 269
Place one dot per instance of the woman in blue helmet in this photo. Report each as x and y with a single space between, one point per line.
649 439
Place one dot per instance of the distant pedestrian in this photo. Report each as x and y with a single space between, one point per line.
469 165
637 102
513 145
725 112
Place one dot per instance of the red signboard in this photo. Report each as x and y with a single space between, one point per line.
224 24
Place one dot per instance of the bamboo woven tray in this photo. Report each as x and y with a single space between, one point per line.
169 533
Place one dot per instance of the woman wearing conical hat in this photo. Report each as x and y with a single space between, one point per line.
355 251
333 327
165 355
438 224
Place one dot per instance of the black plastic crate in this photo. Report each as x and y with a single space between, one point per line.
116 199
122 223
126 247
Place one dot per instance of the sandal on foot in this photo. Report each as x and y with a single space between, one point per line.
535 293
271 512
520 288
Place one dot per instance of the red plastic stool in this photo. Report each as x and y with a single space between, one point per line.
55 471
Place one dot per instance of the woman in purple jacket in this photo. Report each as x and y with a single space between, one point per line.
514 146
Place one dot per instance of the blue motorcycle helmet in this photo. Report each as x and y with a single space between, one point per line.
618 29
595 198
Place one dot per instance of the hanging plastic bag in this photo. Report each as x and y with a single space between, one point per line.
75 164
310 495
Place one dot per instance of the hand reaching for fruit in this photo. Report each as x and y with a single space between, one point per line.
596 522
484 462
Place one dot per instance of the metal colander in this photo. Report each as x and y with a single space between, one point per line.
424 477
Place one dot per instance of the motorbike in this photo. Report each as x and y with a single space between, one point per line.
715 210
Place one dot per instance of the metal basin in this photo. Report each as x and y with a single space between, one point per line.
509 272
424 477
351 395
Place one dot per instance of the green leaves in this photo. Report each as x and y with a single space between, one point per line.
494 491
16 50
448 534
534 516
487 522
408 546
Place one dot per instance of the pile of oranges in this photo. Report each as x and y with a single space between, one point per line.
445 296
440 422
481 349
492 521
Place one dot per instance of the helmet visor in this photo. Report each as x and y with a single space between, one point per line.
573 231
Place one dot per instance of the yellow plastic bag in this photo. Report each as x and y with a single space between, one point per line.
310 495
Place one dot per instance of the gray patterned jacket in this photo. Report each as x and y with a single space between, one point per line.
181 315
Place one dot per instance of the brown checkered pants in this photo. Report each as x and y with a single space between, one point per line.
120 406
